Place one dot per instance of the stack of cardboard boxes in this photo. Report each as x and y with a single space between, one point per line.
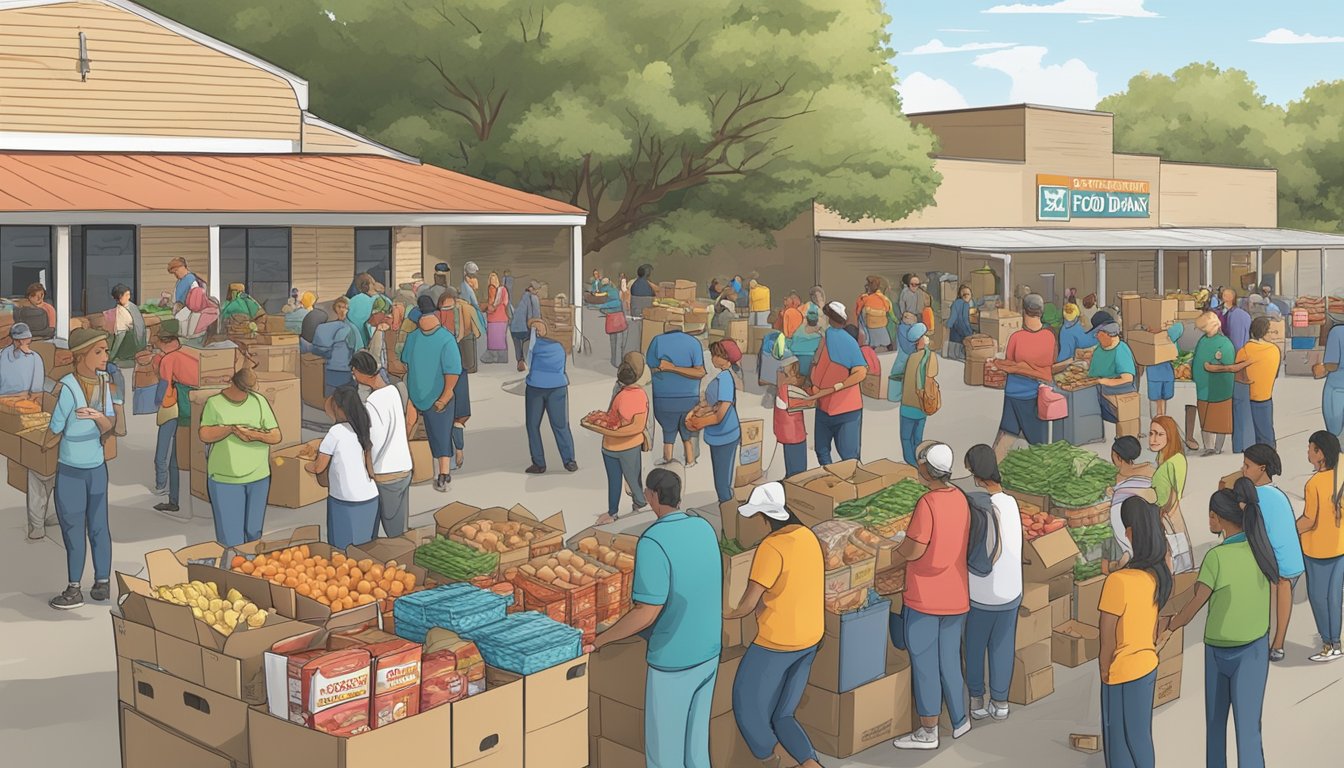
980 349
1000 325
1047 576
1305 343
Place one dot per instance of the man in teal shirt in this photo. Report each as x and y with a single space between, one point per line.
678 609
1213 389
433 365
1112 365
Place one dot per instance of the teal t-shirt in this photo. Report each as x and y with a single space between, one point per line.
1239 606
428 358
1112 363
728 431
678 567
1212 387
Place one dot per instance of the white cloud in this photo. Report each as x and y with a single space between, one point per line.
921 93
1099 8
1071 84
1283 36
936 46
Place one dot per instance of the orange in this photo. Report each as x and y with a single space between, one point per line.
364 588
248 568
238 560
338 558
304 589
408 579
290 581
379 593
356 574
364 599
331 572
303 549
342 591
397 588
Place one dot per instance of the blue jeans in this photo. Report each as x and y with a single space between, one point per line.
722 459
795 458
1127 723
670 413
165 461
766 692
520 344
1234 678
555 404
912 434
81 508
934 644
845 430
1332 408
1262 419
624 465
1243 428
1325 591
351 522
239 509
676 716
992 632
335 379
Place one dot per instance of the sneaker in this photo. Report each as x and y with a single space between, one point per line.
535 470
962 729
998 710
1327 654
636 509
172 510
36 536
439 484
521 366
921 738
1276 654
572 466
70 598
978 709
101 591
160 491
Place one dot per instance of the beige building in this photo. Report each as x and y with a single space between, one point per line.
127 139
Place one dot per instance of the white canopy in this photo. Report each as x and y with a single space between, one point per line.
989 240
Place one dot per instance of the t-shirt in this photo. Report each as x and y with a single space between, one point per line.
1212 387
1239 607
1169 479
789 564
641 287
387 430
1112 363
843 349
233 461
1072 337
21 371
628 404
683 351
723 389
1003 585
679 568
1034 347
759 298
348 478
428 358
938 583
1263 370
1326 540
1125 488
1281 525
1334 355
1131 595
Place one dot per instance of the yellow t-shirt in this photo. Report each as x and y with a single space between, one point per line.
1131 595
1326 540
1264 368
788 563
759 298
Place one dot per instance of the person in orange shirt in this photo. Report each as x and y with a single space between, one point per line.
1322 530
791 319
872 312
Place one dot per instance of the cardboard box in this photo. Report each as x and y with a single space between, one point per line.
749 531
549 538
17 476
623 723
292 486
1171 653
1129 428
983 282
1126 406
1062 586
1299 362
1032 627
148 744
562 745
1000 325
1048 556
215 363
618 672
281 391
750 452
1278 330
1074 644
422 462
555 695
1131 309
313 380
613 755
843 724
875 385
1151 348
275 358
1168 689
739 631
1061 610
1087 599
11 445
813 495
31 454
1033 674
1155 314
1035 597
207 717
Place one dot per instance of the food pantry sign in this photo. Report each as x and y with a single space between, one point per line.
1062 198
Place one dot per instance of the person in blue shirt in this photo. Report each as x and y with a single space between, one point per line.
335 341
609 308
527 310
678 610
547 395
1332 395
1162 377
1072 335
433 366
186 279
959 324
677 363
804 342
1112 365
361 307
904 347
1260 464
83 418
724 433
837 372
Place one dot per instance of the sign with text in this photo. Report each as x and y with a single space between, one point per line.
1064 198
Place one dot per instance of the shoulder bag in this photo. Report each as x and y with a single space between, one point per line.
930 394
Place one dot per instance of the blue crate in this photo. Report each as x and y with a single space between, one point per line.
456 607
1304 342
526 643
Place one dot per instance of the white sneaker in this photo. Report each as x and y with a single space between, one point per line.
962 730
921 738
978 709
157 491
998 711
1327 654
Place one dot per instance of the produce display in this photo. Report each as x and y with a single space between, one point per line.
340 582
455 560
890 503
838 545
20 405
500 537
526 643
1070 476
455 607
563 570
730 547
1074 378
603 419
1092 536
223 614
622 561
1084 571
1038 524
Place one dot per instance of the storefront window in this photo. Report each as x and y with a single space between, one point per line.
26 258
259 258
373 254
102 257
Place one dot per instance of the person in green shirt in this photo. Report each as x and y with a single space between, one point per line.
240 305
239 428
1234 580
1213 388
1164 439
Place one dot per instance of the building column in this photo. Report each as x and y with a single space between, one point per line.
214 271
1101 279
1260 268
64 282
1208 269
1324 290
576 278
1161 272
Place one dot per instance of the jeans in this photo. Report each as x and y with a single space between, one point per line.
1325 592
520 344
239 509
1332 408
766 692
37 500
1127 723
795 458
844 430
394 505
81 508
1243 429
993 632
934 645
721 459
623 465
676 716
555 404
912 434
166 473
351 522
617 347
335 379
1235 678
1262 419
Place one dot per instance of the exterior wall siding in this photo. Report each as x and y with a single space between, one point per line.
158 245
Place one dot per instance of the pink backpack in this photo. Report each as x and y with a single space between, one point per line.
1050 405
200 303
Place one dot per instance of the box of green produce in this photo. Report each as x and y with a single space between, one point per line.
1092 540
1058 473
881 510
455 560
1082 517
1082 571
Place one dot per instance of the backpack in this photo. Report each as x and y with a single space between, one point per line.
930 394
36 319
982 548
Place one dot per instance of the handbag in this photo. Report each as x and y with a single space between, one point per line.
616 323
1050 405
930 394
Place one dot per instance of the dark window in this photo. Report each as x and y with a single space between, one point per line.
26 258
101 257
373 254
259 258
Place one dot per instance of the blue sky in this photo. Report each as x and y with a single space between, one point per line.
953 53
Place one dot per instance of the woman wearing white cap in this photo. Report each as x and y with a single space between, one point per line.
786 592
838 370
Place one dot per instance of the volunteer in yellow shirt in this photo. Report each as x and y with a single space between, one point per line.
1130 601
758 301
1257 363
786 591
1322 528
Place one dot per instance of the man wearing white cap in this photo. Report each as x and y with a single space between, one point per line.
787 592
937 598
837 371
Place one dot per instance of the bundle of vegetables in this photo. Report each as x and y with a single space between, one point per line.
1038 524
1070 476
1085 486
890 503
455 559
155 309
730 547
1092 536
1083 571
1182 365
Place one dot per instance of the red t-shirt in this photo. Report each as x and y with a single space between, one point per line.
1034 347
177 367
938 583
790 428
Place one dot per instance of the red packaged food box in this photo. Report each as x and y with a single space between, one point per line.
396 681
329 690
440 682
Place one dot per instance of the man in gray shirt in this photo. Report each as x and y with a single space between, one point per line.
21 369
527 310
911 301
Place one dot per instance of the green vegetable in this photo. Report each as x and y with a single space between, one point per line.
1070 476
1092 536
888 504
455 560
1083 571
730 547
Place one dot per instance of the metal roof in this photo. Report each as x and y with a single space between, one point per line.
1151 239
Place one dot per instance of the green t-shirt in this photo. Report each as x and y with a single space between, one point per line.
1239 607
1112 363
231 460
1212 387
1169 479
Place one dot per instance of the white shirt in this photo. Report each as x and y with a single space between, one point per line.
1004 582
348 480
387 428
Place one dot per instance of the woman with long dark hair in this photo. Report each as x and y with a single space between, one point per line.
1322 533
1260 464
1131 599
991 625
1234 580
346 454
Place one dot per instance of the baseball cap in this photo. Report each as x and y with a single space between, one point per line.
768 500
1033 302
20 331
937 455
838 309
470 268
442 266
1102 321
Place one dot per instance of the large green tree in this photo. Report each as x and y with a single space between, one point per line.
681 125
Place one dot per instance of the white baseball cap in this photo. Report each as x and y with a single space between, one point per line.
766 500
937 455
838 309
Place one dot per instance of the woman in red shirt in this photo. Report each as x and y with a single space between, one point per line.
791 399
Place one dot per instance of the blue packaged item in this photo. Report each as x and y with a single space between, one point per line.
526 643
456 607
1304 342
144 401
